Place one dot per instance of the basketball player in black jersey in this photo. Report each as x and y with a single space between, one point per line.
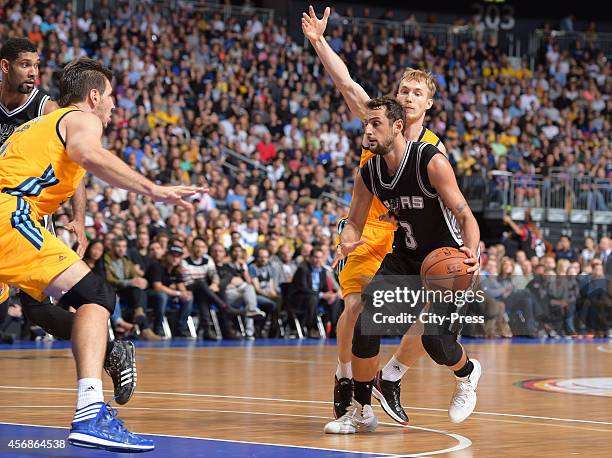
20 102
417 185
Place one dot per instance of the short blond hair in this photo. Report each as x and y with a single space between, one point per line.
415 74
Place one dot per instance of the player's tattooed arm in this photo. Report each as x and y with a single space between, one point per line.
459 209
442 178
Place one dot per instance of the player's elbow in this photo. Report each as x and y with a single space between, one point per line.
82 155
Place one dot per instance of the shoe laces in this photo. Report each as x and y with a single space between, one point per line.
462 391
352 414
114 422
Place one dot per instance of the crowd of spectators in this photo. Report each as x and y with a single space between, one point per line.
564 292
194 89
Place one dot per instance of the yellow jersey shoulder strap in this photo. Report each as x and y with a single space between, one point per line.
429 137
59 115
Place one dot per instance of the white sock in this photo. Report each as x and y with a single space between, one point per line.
394 370
344 370
89 392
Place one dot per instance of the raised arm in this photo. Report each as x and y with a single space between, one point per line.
82 133
354 95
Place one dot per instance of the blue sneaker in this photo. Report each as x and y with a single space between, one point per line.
106 431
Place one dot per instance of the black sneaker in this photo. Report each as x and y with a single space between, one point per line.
120 365
343 395
388 394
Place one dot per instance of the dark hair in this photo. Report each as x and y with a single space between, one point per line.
117 240
235 246
90 246
15 46
81 76
198 238
316 249
394 110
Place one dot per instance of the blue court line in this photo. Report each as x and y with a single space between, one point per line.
165 446
263 343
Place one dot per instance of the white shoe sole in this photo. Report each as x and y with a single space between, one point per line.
85 440
334 428
385 406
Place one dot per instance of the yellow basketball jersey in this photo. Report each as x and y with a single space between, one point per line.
34 164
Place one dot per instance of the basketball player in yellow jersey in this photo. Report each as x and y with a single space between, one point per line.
41 165
415 93
20 102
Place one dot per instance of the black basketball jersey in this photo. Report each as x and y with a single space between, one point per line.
11 119
425 223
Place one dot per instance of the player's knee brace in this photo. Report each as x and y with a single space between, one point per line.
443 349
51 317
91 289
364 346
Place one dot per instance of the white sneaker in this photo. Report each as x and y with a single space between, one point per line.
357 419
464 399
255 312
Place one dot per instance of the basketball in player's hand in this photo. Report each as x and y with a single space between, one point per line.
444 270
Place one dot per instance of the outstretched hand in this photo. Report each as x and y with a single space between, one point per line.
344 249
176 195
312 26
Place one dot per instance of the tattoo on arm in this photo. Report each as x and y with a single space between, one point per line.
459 209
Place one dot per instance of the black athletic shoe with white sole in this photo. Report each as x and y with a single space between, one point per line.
388 394
120 365
343 396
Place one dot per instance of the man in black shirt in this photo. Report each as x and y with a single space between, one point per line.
417 185
169 286
310 289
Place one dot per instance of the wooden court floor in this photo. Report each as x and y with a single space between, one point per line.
282 395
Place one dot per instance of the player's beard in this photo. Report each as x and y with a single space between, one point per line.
382 149
104 118
25 88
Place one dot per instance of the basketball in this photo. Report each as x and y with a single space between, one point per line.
444 269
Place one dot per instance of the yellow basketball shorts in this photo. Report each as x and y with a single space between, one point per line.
358 268
30 256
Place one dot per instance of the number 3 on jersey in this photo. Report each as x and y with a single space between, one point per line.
411 242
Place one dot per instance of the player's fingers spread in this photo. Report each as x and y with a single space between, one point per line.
188 191
326 13
184 204
312 12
